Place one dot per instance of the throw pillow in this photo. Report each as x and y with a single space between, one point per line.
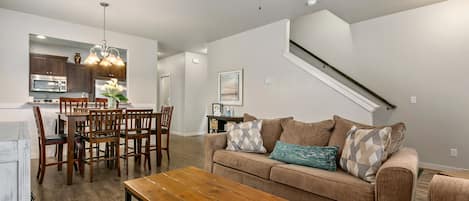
312 156
245 137
271 130
306 134
364 152
342 126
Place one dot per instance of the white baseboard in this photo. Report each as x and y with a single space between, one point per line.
193 133
434 166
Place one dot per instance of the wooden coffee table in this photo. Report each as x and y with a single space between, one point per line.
191 184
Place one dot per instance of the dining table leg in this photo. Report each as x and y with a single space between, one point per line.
70 148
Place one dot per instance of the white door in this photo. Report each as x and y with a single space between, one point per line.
165 90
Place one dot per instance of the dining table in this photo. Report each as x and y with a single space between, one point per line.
80 116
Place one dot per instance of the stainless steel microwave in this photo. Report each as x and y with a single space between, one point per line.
48 83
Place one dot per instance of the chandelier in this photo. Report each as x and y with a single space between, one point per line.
108 55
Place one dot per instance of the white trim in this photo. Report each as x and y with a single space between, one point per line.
186 134
364 102
11 105
434 166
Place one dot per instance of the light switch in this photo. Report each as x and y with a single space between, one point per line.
413 99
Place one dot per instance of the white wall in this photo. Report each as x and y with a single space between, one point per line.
14 55
188 91
195 94
422 52
327 36
175 67
292 92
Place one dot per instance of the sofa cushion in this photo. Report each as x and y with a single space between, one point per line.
342 126
364 152
246 137
312 156
271 130
256 164
306 134
334 185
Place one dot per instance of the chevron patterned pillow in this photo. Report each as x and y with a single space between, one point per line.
245 137
364 152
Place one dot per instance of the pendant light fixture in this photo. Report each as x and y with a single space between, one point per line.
108 55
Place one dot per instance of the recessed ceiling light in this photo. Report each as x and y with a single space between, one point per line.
41 37
311 2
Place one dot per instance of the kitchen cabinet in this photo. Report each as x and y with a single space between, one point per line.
78 78
47 64
118 72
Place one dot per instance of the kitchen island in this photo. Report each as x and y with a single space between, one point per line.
15 147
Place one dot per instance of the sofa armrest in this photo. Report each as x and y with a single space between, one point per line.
213 142
397 177
448 188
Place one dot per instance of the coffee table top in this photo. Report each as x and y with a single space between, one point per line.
191 183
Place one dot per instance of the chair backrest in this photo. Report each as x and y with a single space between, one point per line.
68 104
138 121
166 116
100 103
39 124
104 123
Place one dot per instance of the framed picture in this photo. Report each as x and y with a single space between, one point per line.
230 87
217 109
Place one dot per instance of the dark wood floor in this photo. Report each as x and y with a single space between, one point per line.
106 186
185 151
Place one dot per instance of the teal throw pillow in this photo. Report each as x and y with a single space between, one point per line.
312 156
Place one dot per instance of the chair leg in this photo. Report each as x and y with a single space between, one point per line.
126 157
43 165
60 156
39 163
167 146
148 153
117 144
81 159
91 162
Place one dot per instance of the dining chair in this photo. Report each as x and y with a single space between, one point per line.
58 140
68 105
166 117
137 128
101 103
104 127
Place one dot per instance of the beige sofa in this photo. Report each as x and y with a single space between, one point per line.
444 188
396 179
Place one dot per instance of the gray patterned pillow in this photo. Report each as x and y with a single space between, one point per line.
246 137
364 152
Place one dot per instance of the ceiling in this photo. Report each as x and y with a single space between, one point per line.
181 25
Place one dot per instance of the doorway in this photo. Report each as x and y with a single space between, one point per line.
165 90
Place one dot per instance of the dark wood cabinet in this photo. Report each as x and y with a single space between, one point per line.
118 72
79 78
47 64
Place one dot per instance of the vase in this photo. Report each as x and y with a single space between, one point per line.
112 103
77 58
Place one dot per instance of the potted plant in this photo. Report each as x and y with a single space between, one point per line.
113 91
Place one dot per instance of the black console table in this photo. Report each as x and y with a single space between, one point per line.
222 120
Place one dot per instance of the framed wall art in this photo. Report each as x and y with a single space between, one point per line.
230 87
